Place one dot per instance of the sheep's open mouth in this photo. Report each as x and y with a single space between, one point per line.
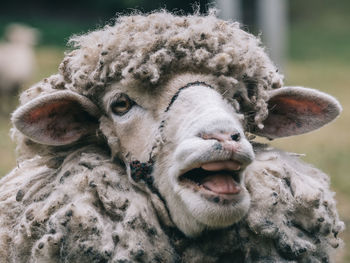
221 178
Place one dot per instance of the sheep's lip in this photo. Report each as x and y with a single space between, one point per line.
218 178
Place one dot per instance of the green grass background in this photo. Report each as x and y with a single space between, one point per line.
319 57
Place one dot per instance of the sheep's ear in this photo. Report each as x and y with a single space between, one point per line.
297 110
57 119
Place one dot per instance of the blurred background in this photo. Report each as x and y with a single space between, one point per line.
308 40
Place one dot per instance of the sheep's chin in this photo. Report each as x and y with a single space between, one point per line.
206 214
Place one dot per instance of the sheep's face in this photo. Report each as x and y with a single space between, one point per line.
198 155
201 174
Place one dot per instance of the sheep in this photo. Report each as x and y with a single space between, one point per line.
17 59
140 149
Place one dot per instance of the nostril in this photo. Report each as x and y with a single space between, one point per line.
236 137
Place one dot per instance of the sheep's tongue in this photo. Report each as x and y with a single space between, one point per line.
221 184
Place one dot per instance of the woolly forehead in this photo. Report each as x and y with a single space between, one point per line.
150 48
163 94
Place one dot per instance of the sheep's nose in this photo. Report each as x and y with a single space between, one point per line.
229 141
222 136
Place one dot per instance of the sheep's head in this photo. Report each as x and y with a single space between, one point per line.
183 138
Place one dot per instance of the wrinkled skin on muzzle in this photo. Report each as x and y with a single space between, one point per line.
200 171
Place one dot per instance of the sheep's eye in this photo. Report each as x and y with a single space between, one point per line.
121 105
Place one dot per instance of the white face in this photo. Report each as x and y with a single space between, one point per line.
200 160
201 174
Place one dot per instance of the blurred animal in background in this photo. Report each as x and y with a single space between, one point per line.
17 62
140 149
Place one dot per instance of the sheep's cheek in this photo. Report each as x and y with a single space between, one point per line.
136 137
